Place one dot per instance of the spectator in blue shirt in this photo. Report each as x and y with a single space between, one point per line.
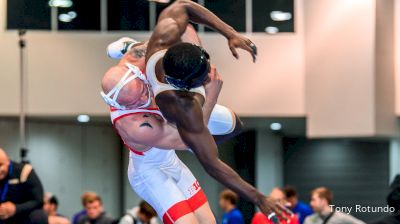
298 207
228 201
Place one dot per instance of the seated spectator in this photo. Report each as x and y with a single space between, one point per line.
81 213
77 216
95 213
21 193
393 200
50 207
301 209
321 198
279 196
142 214
228 201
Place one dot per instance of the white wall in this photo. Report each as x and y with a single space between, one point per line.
340 67
397 54
70 159
65 69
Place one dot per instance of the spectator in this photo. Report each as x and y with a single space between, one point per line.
95 213
393 200
50 208
81 213
228 201
21 193
77 216
301 209
321 198
279 196
142 214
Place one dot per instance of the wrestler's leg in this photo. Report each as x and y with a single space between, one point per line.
189 218
204 214
191 188
162 193
224 123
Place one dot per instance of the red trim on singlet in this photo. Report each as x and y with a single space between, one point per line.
176 212
197 200
134 151
185 207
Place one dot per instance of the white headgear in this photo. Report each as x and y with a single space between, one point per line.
125 80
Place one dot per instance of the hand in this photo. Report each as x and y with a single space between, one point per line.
239 41
273 210
7 210
213 85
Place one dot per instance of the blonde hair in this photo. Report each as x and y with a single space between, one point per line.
90 197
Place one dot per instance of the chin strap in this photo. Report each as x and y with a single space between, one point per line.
112 101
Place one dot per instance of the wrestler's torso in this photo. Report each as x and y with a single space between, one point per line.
146 122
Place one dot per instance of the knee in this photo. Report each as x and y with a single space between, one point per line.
38 217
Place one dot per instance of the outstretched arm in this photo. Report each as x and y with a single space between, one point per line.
187 114
175 18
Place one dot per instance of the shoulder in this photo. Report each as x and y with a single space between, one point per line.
165 34
343 217
82 219
107 218
179 103
237 212
236 215
303 205
303 208
16 165
16 168
311 218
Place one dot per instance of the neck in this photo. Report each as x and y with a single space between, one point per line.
325 211
229 208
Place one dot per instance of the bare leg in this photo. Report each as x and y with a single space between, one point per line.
187 219
205 215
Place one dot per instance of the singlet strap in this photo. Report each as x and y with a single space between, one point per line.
157 86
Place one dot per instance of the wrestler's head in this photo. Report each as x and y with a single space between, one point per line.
186 66
321 198
123 91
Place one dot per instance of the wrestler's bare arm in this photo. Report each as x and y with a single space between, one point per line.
186 112
173 21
